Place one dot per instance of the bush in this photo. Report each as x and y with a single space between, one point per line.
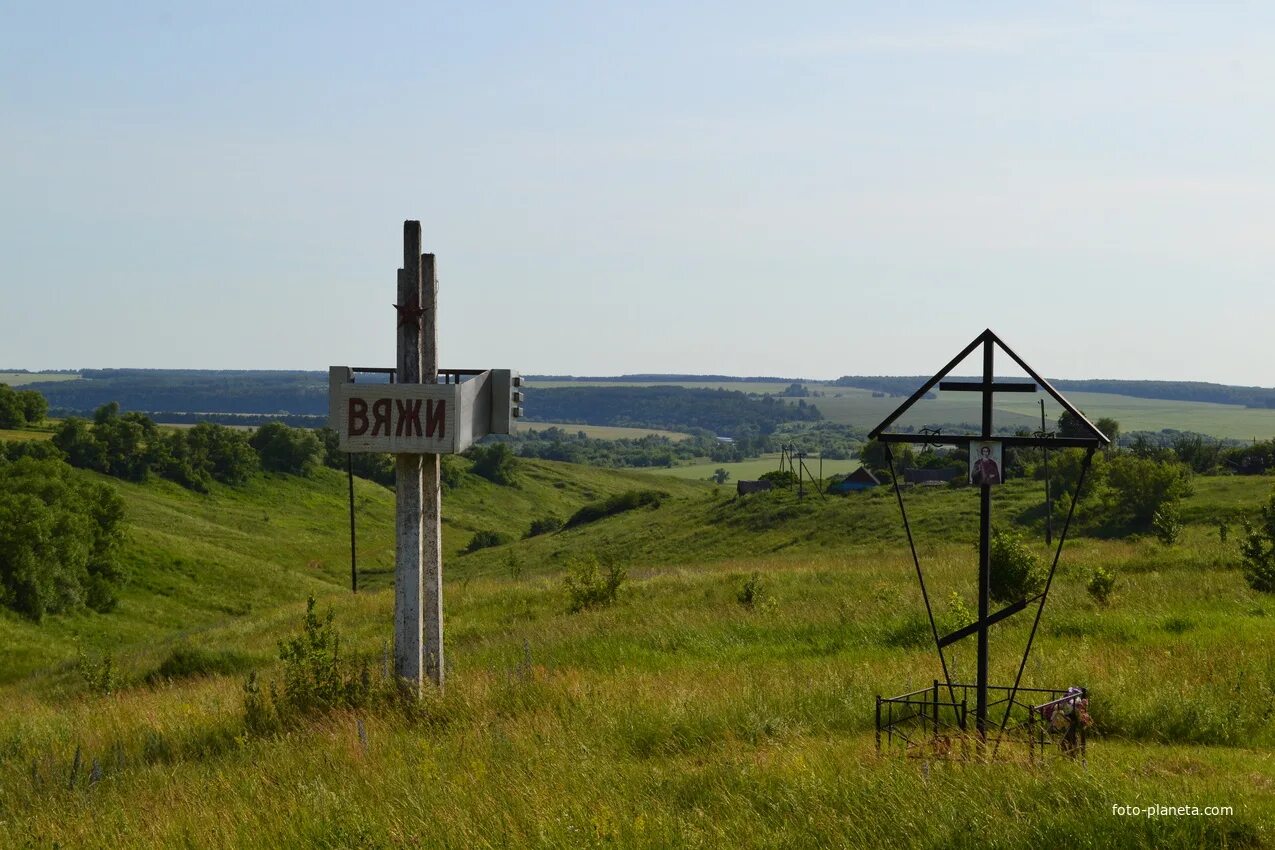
1140 486
787 478
1257 549
99 673
589 587
1101 582
316 679
1016 572
751 592
619 503
485 540
544 525
1167 523
497 463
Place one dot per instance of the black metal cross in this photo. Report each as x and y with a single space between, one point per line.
987 386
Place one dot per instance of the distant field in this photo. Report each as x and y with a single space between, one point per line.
739 386
17 379
856 407
24 434
749 470
602 432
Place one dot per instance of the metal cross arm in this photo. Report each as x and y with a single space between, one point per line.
972 628
994 387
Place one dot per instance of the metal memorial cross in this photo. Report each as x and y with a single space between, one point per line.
987 386
417 418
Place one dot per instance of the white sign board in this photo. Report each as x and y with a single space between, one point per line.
420 418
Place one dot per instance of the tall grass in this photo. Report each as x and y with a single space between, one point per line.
677 717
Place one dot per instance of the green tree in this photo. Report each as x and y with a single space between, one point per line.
496 462
1139 487
1071 426
874 454
34 406
76 440
12 412
1257 548
59 539
282 449
720 475
224 452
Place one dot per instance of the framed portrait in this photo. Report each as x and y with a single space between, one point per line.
986 463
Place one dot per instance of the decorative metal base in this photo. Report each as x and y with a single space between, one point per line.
935 722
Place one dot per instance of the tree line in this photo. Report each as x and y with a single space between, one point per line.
723 412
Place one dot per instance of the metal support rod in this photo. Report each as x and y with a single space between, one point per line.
354 569
916 562
1049 580
984 556
1049 505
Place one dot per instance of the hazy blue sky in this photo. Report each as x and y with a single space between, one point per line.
783 189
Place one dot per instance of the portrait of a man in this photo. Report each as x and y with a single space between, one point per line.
985 463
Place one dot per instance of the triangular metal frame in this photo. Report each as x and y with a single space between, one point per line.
1095 434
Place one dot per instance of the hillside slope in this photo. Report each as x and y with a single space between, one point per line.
196 561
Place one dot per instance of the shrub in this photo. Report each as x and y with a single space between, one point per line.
588 586
1167 523
98 672
957 616
316 679
544 525
619 503
485 540
1257 549
752 591
787 478
1101 582
1016 572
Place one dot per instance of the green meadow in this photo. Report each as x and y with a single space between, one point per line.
676 717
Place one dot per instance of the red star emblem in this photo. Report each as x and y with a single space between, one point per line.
409 313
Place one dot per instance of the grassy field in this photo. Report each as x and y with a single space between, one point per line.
739 386
750 470
676 718
602 432
858 407
17 379
18 435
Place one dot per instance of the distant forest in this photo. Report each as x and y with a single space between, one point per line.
174 395
724 412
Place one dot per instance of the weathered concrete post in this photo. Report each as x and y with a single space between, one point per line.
408 537
432 499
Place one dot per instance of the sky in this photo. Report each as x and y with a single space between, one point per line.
799 189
